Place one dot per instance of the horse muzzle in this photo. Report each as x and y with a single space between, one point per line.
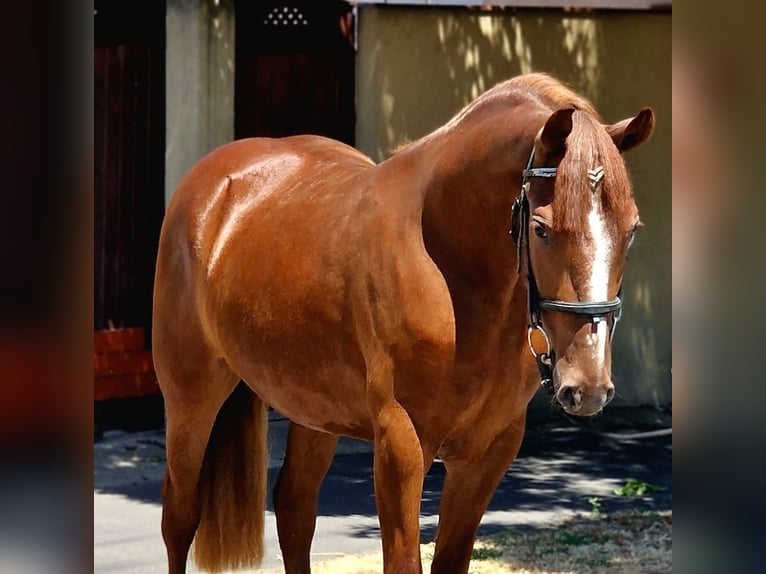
584 398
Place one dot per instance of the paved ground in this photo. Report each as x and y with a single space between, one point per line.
558 469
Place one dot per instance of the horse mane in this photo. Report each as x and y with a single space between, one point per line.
541 88
399 147
588 146
550 92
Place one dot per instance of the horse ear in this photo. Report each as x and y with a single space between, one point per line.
556 130
632 132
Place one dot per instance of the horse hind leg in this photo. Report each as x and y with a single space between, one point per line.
193 398
309 455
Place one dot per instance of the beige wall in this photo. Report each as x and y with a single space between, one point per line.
416 67
199 83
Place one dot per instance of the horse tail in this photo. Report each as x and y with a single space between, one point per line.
233 486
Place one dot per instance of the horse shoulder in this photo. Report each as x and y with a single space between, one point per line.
404 307
427 307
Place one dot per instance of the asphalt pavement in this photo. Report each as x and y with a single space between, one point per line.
561 466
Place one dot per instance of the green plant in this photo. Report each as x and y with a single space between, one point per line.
485 553
595 506
634 487
572 539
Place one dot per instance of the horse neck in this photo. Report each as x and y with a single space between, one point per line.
475 178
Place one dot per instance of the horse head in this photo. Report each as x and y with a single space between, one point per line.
578 221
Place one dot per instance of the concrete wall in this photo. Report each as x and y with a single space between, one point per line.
199 69
416 67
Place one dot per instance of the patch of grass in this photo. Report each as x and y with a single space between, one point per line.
634 487
619 543
486 553
570 539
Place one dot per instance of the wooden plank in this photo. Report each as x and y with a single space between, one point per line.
124 386
122 363
109 341
100 133
129 158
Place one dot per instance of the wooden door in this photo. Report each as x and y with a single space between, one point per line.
295 69
129 142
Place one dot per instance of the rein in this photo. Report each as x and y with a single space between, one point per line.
597 311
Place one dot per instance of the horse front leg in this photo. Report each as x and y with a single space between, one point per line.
472 477
309 455
398 472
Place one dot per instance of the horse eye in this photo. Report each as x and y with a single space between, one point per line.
540 230
631 239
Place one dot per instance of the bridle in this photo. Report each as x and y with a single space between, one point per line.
597 311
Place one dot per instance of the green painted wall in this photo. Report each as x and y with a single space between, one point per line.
416 67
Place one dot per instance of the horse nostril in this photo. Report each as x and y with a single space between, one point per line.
570 398
609 395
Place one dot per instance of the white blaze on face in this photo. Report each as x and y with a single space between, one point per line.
598 288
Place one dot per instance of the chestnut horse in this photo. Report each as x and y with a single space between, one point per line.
389 303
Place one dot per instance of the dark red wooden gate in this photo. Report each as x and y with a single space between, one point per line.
295 69
129 125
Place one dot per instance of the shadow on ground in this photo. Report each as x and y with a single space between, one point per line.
557 471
